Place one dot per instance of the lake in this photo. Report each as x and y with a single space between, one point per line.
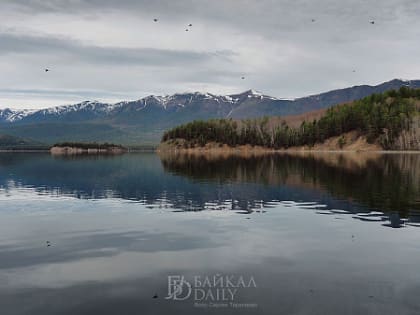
322 233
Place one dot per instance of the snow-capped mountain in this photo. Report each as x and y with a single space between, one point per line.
220 105
9 115
144 120
84 110
89 110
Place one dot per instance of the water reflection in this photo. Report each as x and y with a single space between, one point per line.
117 227
372 187
387 183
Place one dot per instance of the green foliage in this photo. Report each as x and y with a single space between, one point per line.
380 117
341 142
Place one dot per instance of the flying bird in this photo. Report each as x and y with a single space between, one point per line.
155 296
190 25
46 69
155 20
313 20
372 22
187 30
243 78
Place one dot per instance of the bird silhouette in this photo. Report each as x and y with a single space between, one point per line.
46 69
190 25
372 22
243 78
313 20
155 20
155 296
187 30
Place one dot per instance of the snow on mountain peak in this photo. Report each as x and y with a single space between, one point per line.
254 92
94 106
11 115
100 108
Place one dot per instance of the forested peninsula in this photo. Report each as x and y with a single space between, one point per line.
387 121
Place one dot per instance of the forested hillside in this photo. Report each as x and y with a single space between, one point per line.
10 142
381 118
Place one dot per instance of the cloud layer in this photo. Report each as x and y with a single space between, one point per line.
114 50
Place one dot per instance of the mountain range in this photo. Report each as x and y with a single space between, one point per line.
143 121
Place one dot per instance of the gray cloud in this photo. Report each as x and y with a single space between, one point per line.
24 44
64 94
256 14
114 46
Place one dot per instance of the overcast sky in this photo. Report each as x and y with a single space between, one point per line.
112 50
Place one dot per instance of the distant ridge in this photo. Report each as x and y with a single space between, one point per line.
12 142
143 121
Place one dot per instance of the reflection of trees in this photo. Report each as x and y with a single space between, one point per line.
255 169
387 182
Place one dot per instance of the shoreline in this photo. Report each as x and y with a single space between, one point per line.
269 151
24 150
232 150
48 150
215 148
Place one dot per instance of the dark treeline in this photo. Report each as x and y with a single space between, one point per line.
380 117
86 145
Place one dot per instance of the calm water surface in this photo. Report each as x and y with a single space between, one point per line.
307 234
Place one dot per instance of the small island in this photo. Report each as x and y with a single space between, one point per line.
69 148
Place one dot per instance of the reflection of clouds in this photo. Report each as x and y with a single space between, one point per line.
313 290
99 260
126 296
150 242
98 245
